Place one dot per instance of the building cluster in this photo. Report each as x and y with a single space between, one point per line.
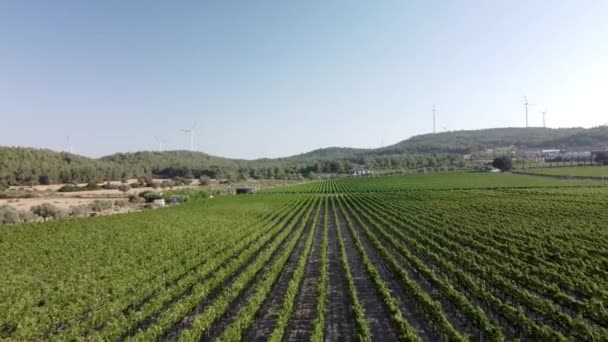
360 172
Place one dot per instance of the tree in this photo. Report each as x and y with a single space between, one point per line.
503 163
602 157
46 210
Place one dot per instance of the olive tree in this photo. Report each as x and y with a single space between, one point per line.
47 210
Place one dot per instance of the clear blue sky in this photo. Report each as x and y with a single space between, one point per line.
276 78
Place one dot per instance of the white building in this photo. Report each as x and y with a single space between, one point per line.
360 172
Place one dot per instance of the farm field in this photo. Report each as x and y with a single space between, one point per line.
453 257
581 171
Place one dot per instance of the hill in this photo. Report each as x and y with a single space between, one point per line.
33 166
469 141
331 153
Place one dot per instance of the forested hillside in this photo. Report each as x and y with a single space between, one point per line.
533 137
39 166
27 166
464 142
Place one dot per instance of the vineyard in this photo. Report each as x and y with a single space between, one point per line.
445 257
585 171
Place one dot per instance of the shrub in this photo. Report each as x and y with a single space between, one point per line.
182 181
26 216
167 184
48 210
69 188
110 186
136 199
9 215
74 187
150 196
91 186
80 210
100 206
204 180
143 193
147 181
121 203
184 195
124 187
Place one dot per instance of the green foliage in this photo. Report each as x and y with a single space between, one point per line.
190 194
150 196
577 171
25 166
473 256
180 181
503 163
441 181
76 188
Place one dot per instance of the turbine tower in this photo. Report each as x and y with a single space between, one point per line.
434 131
526 104
191 132
544 122
70 149
160 142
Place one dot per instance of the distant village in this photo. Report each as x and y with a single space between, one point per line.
524 156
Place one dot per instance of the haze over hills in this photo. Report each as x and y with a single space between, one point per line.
28 165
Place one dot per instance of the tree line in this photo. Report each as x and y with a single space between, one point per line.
27 166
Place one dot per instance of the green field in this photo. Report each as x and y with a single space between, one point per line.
415 258
581 171
447 181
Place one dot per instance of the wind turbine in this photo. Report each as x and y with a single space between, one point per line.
191 132
527 104
160 142
69 147
434 119
544 114
444 128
